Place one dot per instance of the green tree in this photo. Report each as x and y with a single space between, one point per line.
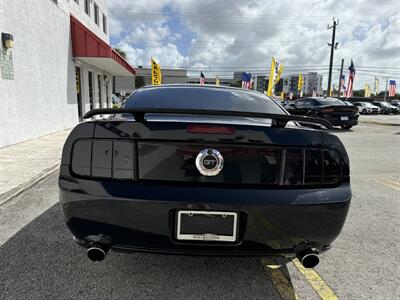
121 52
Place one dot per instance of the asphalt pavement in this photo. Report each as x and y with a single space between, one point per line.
39 260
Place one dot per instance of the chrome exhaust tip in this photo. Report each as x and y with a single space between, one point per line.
97 252
308 258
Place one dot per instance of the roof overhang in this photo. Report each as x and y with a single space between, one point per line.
89 48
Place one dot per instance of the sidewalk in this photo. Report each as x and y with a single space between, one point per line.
24 164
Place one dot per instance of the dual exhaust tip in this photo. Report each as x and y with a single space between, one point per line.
308 258
98 252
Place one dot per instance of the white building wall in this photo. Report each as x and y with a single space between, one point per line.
42 99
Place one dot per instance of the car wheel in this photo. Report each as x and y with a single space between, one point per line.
364 111
346 126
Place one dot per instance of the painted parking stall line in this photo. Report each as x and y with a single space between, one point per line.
393 184
280 281
317 283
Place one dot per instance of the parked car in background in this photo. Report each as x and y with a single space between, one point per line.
395 103
366 108
116 101
333 110
386 108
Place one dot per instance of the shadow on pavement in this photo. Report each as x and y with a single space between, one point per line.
42 261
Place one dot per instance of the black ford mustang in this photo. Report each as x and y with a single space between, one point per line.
201 170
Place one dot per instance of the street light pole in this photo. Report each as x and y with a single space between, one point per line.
340 78
333 47
387 79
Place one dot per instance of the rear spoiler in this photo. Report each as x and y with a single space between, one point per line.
138 113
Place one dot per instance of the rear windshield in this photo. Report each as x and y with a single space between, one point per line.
330 102
202 97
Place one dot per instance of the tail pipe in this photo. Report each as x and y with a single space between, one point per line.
98 251
308 258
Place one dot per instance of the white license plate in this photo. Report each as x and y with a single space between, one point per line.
214 226
344 118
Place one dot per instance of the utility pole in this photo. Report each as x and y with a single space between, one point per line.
333 47
340 78
387 79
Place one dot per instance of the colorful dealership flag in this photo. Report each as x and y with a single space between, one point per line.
352 74
275 74
300 83
247 81
367 91
155 73
376 86
217 80
392 88
342 86
202 78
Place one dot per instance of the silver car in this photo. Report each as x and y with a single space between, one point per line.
367 108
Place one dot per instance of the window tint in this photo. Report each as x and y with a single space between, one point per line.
330 101
190 97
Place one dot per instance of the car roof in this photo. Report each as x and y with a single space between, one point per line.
320 98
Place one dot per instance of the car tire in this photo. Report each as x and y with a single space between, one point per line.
364 112
346 126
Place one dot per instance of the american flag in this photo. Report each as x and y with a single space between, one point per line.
392 88
352 74
247 81
202 78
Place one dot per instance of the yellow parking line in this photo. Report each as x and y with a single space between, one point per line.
281 283
388 182
316 282
392 181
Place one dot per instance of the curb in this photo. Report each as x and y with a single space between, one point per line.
7 196
380 123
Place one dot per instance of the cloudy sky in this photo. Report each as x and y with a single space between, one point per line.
219 36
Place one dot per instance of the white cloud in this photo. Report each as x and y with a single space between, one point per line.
247 34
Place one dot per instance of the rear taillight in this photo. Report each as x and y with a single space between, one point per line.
327 110
310 167
210 129
103 158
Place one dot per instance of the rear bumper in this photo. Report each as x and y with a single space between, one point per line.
336 121
142 217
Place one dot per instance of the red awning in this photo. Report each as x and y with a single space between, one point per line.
88 47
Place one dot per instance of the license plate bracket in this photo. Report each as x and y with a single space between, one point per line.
212 226
344 118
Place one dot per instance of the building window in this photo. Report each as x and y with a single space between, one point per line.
96 14
99 91
91 100
104 24
87 7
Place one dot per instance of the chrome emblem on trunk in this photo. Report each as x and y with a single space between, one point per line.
209 162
